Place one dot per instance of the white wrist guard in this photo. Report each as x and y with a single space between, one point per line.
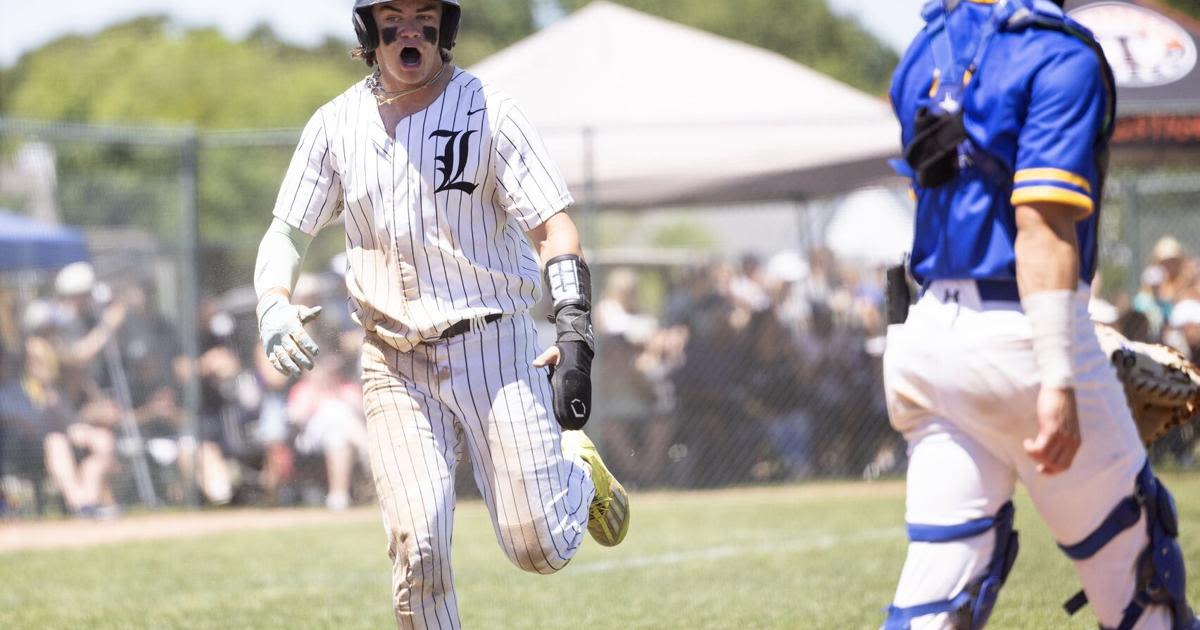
279 256
1050 316
569 281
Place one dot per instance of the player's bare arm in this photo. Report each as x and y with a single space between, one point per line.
1047 272
558 236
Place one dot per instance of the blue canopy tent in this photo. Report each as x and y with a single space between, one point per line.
26 244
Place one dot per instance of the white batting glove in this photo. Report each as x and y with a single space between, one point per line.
281 327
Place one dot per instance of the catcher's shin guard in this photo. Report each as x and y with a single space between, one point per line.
1161 575
973 605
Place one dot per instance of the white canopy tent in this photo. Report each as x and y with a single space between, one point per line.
872 227
639 112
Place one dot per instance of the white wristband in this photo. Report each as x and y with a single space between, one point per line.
1050 314
279 256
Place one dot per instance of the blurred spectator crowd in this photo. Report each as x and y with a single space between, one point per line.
95 385
743 371
729 372
766 370
1164 309
756 370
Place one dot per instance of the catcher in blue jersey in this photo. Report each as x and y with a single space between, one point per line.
996 375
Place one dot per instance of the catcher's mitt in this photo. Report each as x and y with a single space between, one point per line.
1162 386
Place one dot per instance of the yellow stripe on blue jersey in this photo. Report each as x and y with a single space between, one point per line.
1051 176
1034 194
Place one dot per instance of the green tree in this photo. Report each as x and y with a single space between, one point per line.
492 25
147 71
803 30
1191 7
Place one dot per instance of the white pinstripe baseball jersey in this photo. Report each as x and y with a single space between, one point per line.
435 218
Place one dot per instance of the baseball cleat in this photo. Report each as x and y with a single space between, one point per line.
608 515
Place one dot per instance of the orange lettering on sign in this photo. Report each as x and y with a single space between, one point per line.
1157 129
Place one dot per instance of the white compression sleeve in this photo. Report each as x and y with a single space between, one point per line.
279 256
1050 314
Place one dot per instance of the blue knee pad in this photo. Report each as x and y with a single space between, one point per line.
973 605
1161 575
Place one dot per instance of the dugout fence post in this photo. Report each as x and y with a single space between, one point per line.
189 177
589 186
1130 186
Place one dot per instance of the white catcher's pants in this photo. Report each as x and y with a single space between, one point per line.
478 391
962 387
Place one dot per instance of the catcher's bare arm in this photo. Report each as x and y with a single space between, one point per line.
1047 274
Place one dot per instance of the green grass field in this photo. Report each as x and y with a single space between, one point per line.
812 556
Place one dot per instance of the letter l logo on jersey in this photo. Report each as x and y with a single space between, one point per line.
453 160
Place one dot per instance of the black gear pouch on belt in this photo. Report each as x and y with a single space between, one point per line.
897 294
933 152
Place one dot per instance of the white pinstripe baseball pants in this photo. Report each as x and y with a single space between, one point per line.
477 389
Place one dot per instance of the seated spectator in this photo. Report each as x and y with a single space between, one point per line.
326 408
1135 326
628 404
633 426
774 397
203 456
661 356
1149 301
617 312
715 358
1185 328
152 356
1169 255
840 391
273 428
747 287
39 422
85 324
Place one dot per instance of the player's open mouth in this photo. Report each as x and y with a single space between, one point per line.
410 57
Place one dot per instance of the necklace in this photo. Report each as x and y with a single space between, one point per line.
384 97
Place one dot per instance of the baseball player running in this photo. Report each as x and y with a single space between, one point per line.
996 377
439 178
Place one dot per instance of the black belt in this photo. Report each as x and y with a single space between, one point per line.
463 326
998 290
992 290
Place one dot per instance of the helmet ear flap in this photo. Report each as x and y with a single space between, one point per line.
451 15
364 28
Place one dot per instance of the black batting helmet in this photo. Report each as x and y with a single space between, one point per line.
368 35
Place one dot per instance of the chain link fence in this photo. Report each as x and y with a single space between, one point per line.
142 386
